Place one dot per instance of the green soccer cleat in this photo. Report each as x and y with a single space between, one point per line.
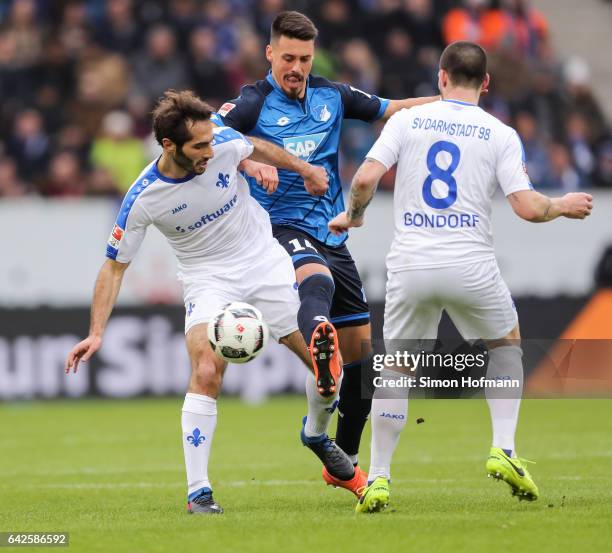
374 497
513 472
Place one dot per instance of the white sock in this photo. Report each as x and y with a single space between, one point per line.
388 416
198 420
320 409
504 403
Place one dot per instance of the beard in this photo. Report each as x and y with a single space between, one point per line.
183 161
294 93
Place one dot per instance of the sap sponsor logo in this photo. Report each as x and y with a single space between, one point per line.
209 217
321 113
115 237
303 146
394 416
226 108
179 208
283 121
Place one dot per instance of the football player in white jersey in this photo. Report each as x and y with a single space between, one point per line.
451 156
195 195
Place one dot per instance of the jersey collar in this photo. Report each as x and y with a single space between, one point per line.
161 177
460 103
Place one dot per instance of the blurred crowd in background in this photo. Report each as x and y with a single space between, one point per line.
78 79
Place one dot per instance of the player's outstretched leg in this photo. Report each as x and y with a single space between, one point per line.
199 419
316 291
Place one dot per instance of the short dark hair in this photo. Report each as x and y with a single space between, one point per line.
172 112
293 25
465 62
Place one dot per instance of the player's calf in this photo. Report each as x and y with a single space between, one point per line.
316 292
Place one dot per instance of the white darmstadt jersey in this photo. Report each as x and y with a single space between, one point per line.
210 220
450 158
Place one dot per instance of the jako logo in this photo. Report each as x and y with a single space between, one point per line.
303 146
179 208
393 416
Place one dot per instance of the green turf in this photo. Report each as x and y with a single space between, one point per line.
111 473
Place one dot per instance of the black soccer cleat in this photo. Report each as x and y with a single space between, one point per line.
335 460
204 504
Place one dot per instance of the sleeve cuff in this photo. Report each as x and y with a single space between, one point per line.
384 102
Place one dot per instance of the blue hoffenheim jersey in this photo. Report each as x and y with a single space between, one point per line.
309 129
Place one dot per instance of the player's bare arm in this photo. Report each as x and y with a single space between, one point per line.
395 105
315 178
106 290
362 191
538 208
265 175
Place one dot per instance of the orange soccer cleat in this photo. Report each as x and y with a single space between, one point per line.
356 484
325 355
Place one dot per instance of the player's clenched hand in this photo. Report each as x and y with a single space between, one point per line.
82 352
265 175
577 205
316 180
341 223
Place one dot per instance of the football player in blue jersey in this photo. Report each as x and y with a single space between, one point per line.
303 114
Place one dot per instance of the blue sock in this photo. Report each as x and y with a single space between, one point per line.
198 493
316 293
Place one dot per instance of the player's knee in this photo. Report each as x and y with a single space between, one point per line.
318 284
309 269
206 377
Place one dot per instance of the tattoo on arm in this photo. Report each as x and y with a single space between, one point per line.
357 205
359 201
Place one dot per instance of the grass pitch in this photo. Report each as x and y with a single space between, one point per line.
111 473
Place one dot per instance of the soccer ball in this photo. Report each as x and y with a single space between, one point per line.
238 333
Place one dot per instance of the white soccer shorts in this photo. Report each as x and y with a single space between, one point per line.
474 295
269 284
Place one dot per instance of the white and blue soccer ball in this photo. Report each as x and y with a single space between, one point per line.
238 333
